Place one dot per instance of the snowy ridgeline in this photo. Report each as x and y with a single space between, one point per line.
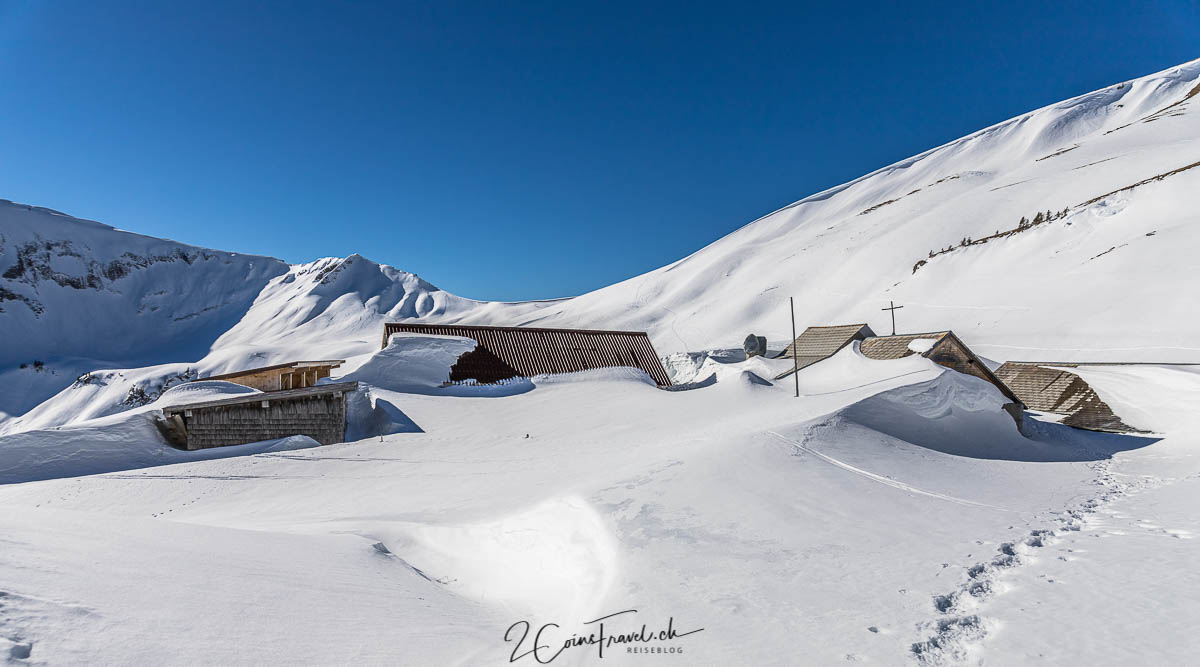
892 514
1063 234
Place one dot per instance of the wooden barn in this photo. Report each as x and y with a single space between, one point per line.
817 343
318 412
940 347
508 352
1052 387
281 377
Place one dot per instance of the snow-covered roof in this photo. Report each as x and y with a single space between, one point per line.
285 395
817 343
896 347
1054 388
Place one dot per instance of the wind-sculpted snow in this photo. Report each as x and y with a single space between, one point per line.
123 441
890 513
876 514
100 393
556 558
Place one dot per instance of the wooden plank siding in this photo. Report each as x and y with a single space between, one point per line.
318 412
507 352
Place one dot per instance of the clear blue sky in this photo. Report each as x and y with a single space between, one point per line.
536 150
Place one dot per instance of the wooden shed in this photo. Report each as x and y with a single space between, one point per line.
818 343
508 352
281 377
941 347
1052 387
318 412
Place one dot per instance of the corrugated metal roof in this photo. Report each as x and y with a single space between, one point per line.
1053 388
506 352
896 347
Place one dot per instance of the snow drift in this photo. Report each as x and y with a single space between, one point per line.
124 441
412 363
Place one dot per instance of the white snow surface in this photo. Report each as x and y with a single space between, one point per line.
922 345
1050 292
412 362
890 514
121 441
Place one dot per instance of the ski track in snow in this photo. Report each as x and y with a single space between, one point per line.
887 481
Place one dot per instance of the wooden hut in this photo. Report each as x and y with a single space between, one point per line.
818 343
940 347
318 412
508 352
281 377
1052 387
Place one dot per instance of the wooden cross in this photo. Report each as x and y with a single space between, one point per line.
893 307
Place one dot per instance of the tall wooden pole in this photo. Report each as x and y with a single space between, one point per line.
795 359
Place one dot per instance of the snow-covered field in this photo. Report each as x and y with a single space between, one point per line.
894 505
891 514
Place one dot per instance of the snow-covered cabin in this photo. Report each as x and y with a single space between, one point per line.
281 377
1052 387
940 347
508 352
317 412
817 343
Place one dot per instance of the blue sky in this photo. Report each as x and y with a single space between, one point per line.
536 150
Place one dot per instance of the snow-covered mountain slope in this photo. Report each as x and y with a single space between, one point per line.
1107 280
91 313
335 308
332 308
1067 233
77 295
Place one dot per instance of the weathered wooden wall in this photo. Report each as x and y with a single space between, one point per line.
952 355
947 350
321 417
